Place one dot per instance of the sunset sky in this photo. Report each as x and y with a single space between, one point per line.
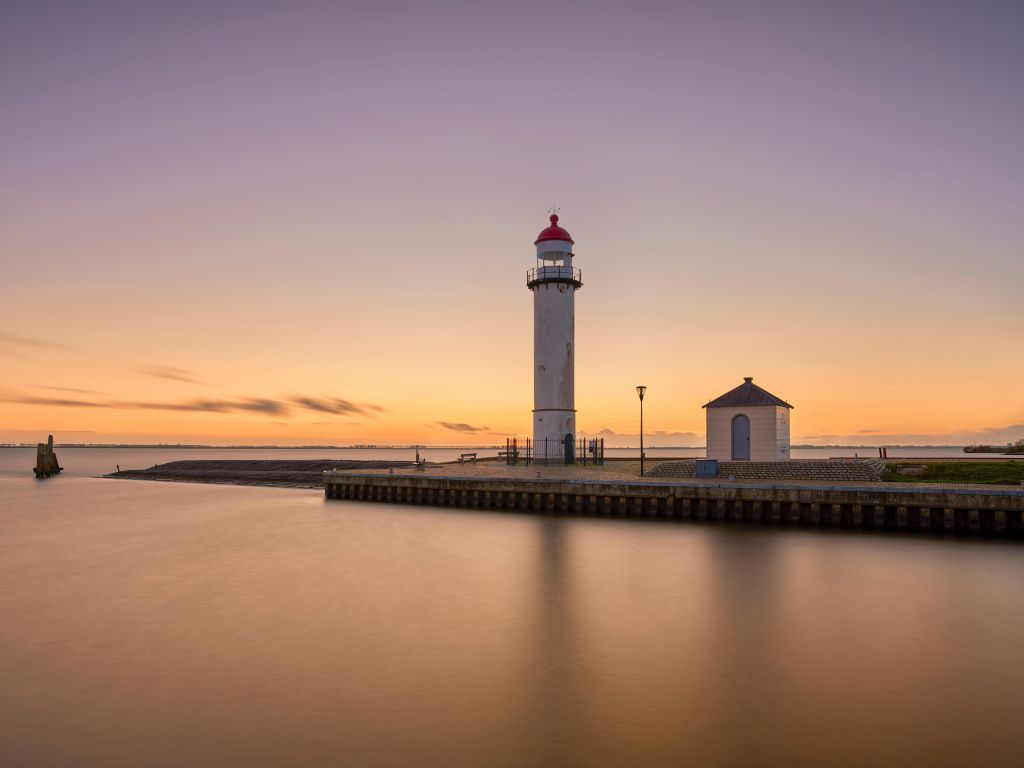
299 223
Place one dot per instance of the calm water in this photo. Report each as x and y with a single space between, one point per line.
161 624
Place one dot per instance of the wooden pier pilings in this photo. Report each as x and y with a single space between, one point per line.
985 512
46 460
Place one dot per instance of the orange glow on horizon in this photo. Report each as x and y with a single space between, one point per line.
220 237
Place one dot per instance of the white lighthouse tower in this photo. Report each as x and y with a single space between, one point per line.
554 282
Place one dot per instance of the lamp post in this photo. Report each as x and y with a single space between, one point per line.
640 391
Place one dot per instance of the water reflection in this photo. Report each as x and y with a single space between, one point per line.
555 651
150 623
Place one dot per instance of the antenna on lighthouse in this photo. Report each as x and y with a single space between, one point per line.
554 209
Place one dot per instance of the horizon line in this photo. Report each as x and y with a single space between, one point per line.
414 446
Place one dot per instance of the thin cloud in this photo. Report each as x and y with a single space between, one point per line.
56 401
987 435
171 373
333 405
653 439
16 340
253 404
459 426
988 432
262 405
258 405
72 390
658 433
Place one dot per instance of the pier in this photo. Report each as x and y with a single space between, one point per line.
992 511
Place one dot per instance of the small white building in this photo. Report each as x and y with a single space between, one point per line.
748 424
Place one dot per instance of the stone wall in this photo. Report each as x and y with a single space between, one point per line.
922 508
806 469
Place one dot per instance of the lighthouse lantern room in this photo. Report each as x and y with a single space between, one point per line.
554 282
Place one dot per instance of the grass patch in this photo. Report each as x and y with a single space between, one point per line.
989 472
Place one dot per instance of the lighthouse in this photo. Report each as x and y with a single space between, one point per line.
554 282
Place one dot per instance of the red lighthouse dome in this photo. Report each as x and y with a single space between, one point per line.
554 232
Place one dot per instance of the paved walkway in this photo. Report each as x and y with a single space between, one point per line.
629 471
617 471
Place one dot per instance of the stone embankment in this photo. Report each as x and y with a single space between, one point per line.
874 506
867 470
285 473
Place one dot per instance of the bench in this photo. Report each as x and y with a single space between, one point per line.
467 456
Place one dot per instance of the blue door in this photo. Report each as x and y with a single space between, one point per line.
569 457
740 438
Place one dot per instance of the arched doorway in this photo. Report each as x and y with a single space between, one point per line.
740 437
570 457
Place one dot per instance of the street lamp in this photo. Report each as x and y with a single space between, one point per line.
640 391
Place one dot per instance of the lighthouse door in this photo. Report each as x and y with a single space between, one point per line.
570 457
740 438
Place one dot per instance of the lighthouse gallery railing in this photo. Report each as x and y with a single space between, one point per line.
554 275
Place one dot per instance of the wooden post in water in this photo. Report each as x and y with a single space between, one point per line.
46 460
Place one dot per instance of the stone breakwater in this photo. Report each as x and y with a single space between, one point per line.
289 473
867 470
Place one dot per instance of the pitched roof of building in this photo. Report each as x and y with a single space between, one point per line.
745 395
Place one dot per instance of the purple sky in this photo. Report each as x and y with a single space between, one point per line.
826 195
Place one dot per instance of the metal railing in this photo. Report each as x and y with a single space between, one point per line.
521 450
570 275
